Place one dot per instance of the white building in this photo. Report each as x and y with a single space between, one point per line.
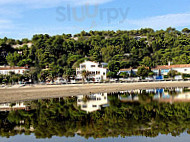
93 102
5 70
97 71
162 69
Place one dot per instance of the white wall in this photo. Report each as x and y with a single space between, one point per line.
97 69
16 71
182 70
94 103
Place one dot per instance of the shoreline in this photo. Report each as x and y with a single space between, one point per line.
53 91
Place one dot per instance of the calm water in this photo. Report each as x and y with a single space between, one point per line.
139 115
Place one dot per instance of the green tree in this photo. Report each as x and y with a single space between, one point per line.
124 74
147 61
142 71
68 74
172 73
114 66
85 75
111 74
186 30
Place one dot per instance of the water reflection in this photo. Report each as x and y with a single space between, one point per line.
13 106
160 95
122 114
92 102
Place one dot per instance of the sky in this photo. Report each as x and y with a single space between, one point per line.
25 18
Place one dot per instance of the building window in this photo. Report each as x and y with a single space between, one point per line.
93 66
98 72
93 73
104 73
83 66
84 106
94 105
185 69
100 66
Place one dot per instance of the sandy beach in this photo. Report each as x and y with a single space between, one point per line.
16 93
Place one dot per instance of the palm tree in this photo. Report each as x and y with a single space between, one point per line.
85 75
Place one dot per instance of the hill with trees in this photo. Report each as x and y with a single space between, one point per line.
121 49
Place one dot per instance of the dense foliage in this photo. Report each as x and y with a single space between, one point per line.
121 49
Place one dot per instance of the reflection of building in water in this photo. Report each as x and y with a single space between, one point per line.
92 102
172 95
129 96
160 95
13 106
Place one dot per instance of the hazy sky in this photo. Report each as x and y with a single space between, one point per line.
24 18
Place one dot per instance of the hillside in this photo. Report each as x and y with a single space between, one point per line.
121 49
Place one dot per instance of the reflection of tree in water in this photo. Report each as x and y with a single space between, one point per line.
145 97
173 92
62 117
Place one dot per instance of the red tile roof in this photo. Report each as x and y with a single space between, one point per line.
172 66
129 69
12 68
163 67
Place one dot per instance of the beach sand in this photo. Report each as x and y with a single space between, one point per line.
16 93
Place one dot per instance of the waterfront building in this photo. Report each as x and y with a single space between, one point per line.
162 69
96 71
5 70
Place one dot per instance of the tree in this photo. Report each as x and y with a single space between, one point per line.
114 66
68 74
142 71
124 74
13 59
172 73
186 30
33 73
147 61
43 76
151 73
111 74
85 75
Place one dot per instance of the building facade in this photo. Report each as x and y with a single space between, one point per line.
5 70
163 69
96 71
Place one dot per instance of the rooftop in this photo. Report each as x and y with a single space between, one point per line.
129 69
163 67
172 66
12 68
